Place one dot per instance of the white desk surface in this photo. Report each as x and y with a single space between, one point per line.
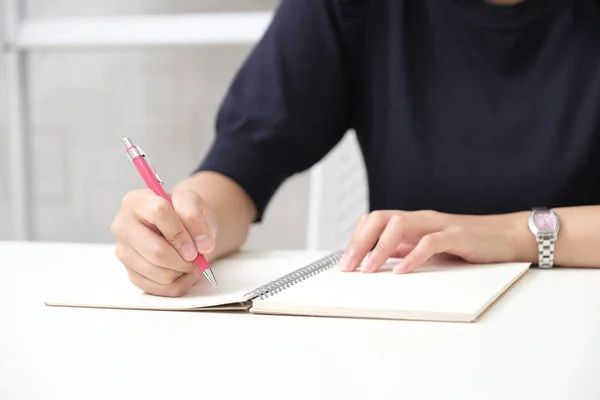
541 341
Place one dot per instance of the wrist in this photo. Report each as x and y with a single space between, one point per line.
515 241
522 240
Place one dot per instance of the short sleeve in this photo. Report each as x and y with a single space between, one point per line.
285 109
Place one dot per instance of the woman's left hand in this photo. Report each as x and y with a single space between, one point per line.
419 235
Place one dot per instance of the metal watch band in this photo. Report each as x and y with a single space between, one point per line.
546 250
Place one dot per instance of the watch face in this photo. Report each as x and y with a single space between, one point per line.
544 221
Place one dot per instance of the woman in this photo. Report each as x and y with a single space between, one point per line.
469 113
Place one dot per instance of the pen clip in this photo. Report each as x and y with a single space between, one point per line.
149 162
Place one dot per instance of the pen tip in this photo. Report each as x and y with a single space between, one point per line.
210 276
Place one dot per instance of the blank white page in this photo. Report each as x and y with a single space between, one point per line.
441 290
236 275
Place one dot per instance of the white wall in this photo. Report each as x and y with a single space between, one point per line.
84 102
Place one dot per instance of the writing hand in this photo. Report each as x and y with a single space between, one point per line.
157 242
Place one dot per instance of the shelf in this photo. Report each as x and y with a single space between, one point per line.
144 30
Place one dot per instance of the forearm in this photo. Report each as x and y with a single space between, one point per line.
234 209
578 238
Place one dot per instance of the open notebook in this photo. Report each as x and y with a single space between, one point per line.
308 283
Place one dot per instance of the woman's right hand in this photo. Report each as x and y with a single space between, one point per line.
157 242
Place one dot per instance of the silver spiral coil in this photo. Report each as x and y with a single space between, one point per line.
286 281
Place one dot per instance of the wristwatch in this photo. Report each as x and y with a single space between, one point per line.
544 224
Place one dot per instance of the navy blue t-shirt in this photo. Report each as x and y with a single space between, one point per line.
459 106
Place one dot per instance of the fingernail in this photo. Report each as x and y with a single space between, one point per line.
401 269
188 252
344 264
365 262
367 267
203 243
211 220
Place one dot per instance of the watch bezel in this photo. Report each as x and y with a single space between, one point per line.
535 229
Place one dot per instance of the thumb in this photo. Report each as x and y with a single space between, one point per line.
199 220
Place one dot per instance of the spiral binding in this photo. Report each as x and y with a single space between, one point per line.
286 281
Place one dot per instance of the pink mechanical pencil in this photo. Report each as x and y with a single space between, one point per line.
155 183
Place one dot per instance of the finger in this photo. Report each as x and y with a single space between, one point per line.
134 261
364 238
387 244
156 250
430 245
155 210
421 223
403 250
345 257
177 288
198 219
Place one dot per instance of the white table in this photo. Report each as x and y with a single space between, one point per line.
541 341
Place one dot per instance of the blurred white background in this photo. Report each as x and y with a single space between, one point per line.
84 101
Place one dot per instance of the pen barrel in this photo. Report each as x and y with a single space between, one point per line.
201 263
149 178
